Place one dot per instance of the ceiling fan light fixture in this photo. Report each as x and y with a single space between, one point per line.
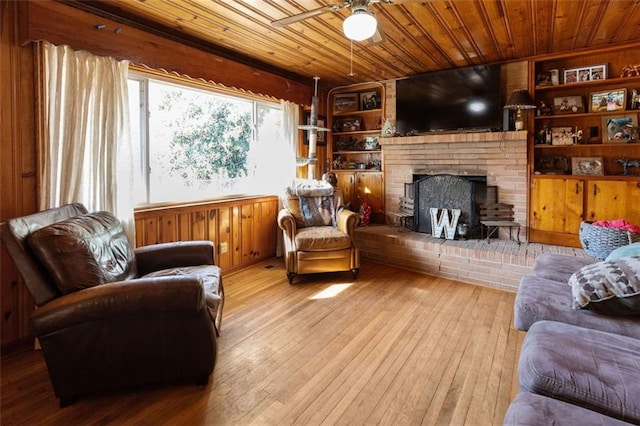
361 25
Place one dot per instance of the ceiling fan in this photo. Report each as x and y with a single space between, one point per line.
360 25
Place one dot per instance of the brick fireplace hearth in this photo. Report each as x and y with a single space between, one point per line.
502 158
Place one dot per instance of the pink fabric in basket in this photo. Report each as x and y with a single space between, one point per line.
618 224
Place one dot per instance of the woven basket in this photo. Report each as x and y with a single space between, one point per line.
598 241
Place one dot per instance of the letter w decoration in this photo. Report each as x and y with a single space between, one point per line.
442 222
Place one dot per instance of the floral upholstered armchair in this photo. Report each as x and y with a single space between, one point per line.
318 233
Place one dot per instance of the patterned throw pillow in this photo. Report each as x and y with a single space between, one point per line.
608 287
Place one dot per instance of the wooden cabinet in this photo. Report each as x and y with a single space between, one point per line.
579 144
559 205
356 116
360 187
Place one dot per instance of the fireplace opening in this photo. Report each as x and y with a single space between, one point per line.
448 191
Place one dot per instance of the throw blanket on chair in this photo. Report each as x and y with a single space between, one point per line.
316 202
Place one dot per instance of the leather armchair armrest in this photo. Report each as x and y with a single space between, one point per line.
171 255
347 221
118 299
287 223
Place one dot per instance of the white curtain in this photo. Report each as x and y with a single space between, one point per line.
290 121
87 154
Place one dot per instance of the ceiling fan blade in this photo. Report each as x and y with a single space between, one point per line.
305 15
378 37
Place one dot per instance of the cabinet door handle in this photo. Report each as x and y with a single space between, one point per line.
577 188
595 190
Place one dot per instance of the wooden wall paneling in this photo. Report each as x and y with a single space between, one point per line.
198 225
184 226
61 24
268 229
18 174
236 234
223 259
246 218
256 231
212 228
151 231
168 229
141 232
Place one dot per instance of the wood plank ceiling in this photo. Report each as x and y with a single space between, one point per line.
419 36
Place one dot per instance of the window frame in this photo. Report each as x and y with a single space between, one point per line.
143 76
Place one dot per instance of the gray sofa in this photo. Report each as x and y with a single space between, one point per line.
576 366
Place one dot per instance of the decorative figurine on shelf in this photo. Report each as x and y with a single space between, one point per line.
388 129
626 164
545 109
577 136
631 71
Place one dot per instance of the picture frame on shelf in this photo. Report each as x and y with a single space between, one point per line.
347 124
345 102
568 105
562 135
608 100
321 137
369 101
599 72
634 99
586 73
619 129
587 166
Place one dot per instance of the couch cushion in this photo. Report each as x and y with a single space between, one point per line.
559 267
84 251
624 251
210 276
539 299
530 409
321 238
609 287
596 370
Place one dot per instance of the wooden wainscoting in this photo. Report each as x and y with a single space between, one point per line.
392 347
244 230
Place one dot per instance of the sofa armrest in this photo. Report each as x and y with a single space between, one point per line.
287 223
171 255
347 221
118 299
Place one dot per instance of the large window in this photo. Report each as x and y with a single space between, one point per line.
199 144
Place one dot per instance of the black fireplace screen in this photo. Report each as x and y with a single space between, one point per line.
444 191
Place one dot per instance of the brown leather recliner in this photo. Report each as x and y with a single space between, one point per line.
110 317
318 233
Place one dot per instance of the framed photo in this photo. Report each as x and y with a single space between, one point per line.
369 100
562 136
619 128
321 138
611 100
591 166
587 73
568 104
345 102
599 72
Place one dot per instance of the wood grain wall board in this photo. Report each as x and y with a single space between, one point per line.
52 21
419 36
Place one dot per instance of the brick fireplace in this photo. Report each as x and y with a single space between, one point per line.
500 156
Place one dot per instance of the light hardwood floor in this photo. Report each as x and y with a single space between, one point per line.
392 347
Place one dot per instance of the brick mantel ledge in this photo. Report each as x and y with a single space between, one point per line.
445 137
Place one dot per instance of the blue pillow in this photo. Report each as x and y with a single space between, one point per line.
624 251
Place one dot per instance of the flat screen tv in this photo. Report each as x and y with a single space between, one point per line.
462 99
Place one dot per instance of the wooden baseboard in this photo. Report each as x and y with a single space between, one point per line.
555 238
17 346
